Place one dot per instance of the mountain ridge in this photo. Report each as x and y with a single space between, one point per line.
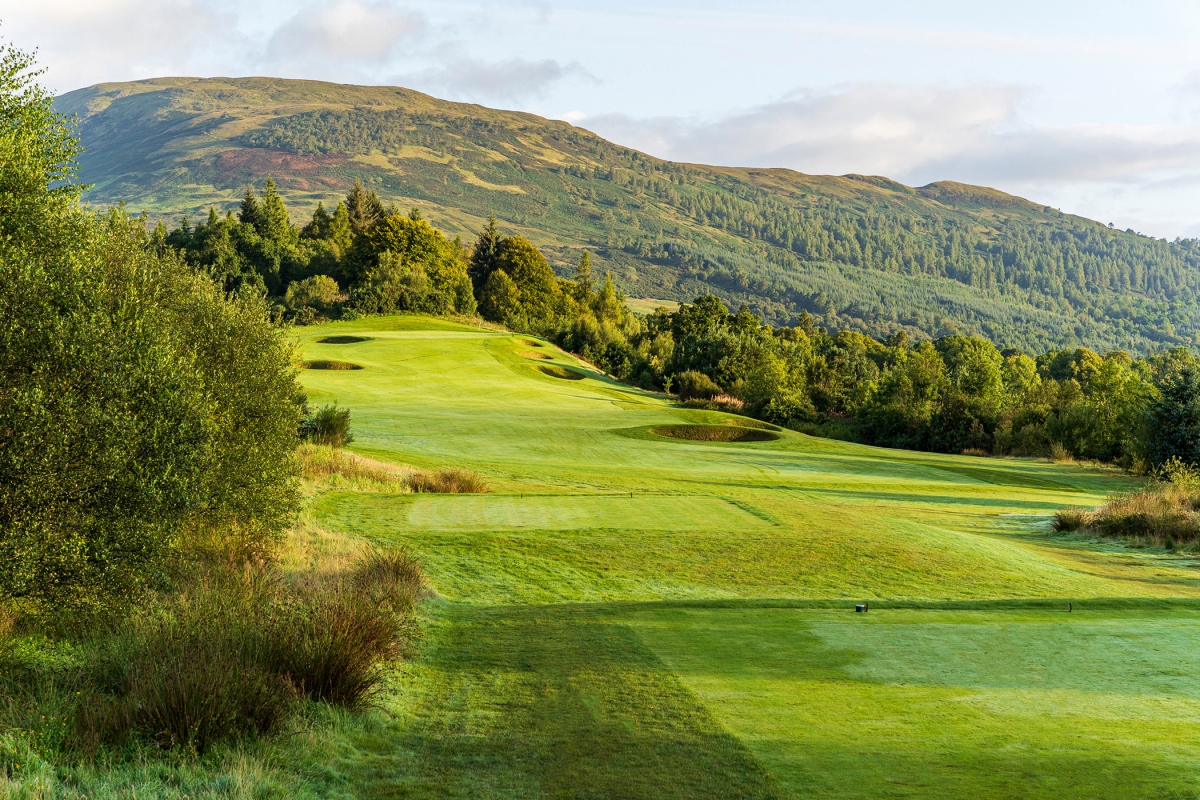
855 251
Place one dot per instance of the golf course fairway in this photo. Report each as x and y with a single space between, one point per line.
632 613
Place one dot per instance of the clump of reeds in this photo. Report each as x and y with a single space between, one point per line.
447 481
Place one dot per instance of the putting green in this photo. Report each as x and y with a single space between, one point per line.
684 642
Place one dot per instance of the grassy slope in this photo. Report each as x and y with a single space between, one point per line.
685 642
172 145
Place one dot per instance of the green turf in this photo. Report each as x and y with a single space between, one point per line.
631 615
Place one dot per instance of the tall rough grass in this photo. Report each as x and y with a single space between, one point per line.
1166 512
448 481
231 656
334 468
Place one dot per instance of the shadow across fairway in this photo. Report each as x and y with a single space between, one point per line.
549 702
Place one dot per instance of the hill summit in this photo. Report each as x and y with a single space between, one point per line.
857 252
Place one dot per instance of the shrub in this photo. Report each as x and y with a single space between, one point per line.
318 293
390 578
1071 519
448 481
694 385
328 425
332 643
140 403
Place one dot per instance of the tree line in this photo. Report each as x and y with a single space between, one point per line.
953 394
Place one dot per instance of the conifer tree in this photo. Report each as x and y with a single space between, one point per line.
320 225
484 254
272 223
249 212
583 276
363 207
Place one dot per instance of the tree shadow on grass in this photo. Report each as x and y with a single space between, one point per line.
545 702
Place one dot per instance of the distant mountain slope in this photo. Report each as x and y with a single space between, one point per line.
856 251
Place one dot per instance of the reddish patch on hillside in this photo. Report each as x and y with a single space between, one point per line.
274 161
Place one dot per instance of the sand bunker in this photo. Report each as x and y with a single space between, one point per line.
329 365
561 372
343 339
715 433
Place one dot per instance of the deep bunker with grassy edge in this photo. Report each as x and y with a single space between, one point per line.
343 339
715 433
655 620
330 365
560 372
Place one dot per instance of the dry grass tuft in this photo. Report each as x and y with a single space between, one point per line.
335 468
1164 513
978 452
1059 454
447 481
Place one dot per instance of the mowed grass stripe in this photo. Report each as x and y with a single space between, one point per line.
942 704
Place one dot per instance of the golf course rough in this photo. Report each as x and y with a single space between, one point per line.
638 615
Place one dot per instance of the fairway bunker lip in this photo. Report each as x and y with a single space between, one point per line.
753 423
530 343
715 433
329 365
562 373
539 356
343 339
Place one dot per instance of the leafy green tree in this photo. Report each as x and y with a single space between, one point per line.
403 243
1173 419
145 415
539 298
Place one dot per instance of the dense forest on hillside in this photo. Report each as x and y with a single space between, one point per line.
855 252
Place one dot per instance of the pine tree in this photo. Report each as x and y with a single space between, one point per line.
583 277
272 223
364 207
249 212
483 255
320 225
341 232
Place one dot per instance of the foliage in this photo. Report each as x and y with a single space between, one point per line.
319 293
328 425
142 411
1173 419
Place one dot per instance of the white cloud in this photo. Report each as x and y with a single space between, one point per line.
344 31
514 79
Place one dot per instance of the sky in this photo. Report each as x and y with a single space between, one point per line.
1091 107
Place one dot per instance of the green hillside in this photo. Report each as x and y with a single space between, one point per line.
858 252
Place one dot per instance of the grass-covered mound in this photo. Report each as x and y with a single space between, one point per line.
716 433
330 364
